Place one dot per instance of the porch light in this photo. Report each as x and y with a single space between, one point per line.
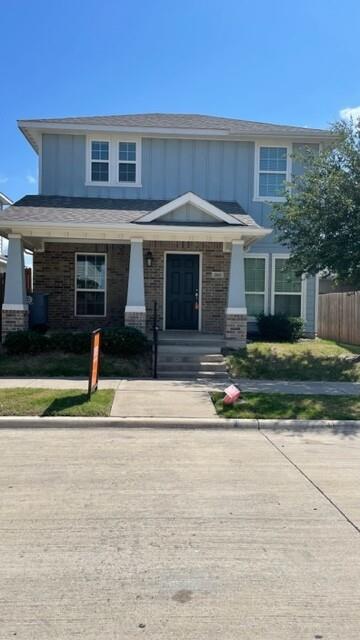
149 258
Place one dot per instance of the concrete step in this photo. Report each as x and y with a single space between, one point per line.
216 367
192 375
169 356
186 350
191 341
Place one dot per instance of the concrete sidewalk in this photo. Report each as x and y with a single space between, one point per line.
266 386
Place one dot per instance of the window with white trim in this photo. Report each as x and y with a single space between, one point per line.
99 161
127 162
90 279
287 289
255 270
115 161
272 163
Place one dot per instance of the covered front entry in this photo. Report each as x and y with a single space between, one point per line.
182 291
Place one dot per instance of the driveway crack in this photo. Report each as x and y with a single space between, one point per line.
333 504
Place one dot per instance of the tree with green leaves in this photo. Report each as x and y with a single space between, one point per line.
319 219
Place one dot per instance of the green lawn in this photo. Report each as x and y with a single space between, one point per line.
57 364
304 360
54 402
286 406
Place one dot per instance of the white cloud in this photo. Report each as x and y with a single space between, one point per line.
350 113
3 179
30 179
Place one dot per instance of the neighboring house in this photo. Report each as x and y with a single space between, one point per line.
172 209
4 203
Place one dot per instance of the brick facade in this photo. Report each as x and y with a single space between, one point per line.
54 273
235 329
14 320
136 319
214 290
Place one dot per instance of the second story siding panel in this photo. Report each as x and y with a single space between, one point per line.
215 170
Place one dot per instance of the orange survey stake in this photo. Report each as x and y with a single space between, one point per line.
94 361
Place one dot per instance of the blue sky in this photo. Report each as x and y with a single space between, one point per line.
293 63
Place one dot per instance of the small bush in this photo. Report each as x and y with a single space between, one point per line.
280 328
124 341
71 342
18 342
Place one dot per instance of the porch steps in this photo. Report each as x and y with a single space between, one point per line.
191 355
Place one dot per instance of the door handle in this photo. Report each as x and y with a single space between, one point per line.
197 299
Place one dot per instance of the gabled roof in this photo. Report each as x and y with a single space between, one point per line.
109 211
4 199
214 212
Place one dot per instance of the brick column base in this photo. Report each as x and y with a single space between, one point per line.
14 320
235 330
136 319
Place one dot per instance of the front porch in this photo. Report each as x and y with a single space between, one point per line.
205 294
105 262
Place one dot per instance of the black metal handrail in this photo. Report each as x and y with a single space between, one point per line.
155 342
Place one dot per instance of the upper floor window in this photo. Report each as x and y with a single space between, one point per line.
271 172
127 161
113 162
99 161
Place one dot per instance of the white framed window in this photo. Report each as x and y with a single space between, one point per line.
114 161
90 284
256 284
272 171
99 160
288 289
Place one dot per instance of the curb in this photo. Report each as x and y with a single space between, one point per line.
33 422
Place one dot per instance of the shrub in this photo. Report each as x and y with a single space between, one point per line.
18 342
124 341
71 342
280 327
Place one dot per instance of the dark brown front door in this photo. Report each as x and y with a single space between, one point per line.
182 291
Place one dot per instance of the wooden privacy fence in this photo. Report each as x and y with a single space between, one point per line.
339 317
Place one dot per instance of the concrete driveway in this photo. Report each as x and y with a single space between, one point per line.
179 534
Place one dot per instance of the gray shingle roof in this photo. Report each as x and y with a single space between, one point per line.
67 210
183 121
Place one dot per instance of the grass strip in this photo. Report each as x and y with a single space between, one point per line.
54 402
287 406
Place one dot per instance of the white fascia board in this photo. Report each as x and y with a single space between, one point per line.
134 229
196 201
4 199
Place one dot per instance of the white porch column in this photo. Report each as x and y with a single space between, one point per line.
135 312
236 313
15 310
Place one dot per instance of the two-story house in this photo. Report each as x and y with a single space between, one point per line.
175 209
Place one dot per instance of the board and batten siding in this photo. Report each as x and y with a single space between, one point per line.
214 170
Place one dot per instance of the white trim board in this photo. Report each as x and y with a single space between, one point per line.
196 253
